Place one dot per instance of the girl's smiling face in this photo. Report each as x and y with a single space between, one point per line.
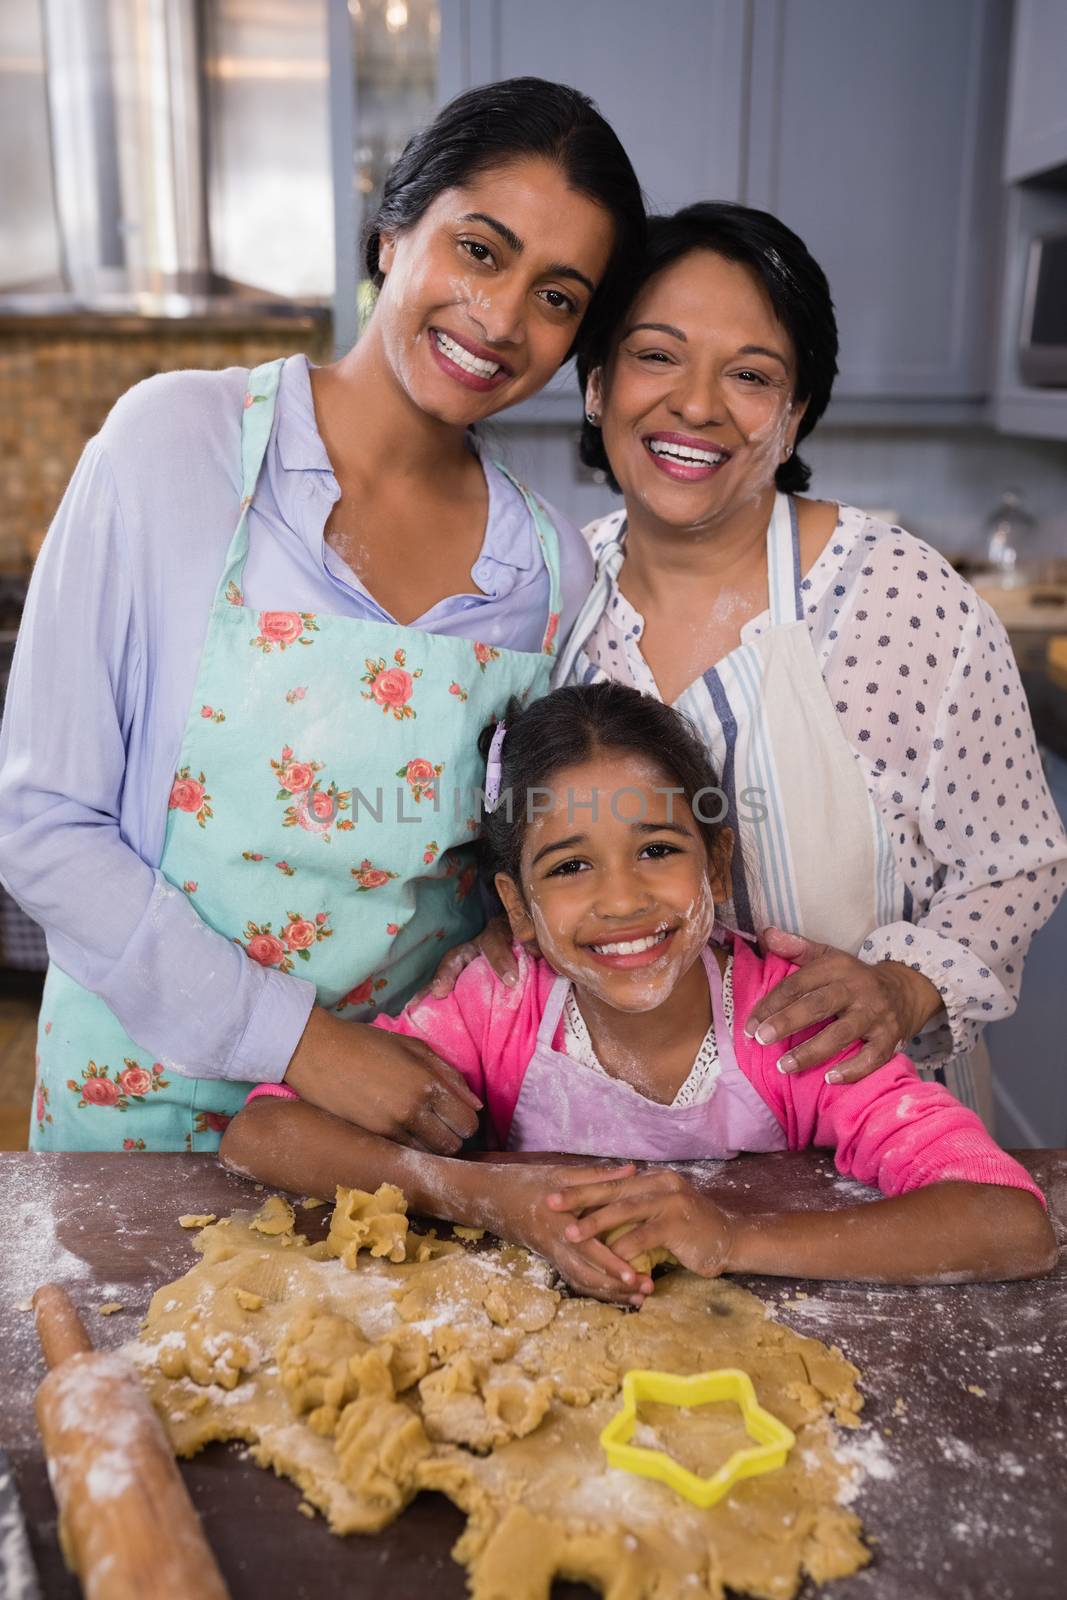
484 295
617 888
697 401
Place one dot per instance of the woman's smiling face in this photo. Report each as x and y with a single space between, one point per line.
619 898
484 295
696 404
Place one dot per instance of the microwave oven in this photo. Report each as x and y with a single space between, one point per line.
1043 334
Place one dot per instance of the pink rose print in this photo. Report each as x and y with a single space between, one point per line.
233 594
187 794
48 1027
284 628
136 1082
390 687
460 694
484 653
266 949
133 1144
392 929
300 934
98 1088
253 400
209 714
296 776
421 775
297 937
189 886
293 695
312 807
212 1121
41 1106
369 877
548 648
100 1092
363 994
283 866
431 852
465 882
320 917
251 855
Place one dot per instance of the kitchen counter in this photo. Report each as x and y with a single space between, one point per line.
966 1391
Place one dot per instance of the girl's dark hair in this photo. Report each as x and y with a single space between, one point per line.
798 291
503 122
570 726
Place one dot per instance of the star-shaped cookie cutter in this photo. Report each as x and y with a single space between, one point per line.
773 1439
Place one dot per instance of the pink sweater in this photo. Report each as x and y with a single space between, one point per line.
891 1129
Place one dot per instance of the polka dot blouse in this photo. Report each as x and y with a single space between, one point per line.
929 698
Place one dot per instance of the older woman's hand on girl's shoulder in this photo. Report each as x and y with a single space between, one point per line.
881 1005
589 1265
494 943
660 1210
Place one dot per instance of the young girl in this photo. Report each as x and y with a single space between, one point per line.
623 1038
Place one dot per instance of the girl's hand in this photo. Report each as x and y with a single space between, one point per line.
494 943
589 1266
881 1005
383 1082
662 1209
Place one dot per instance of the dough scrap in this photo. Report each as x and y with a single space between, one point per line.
196 1219
274 1217
366 1378
376 1222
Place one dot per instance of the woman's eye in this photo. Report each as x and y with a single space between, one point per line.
659 356
475 248
558 300
752 377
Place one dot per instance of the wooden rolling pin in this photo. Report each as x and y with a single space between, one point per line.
126 1524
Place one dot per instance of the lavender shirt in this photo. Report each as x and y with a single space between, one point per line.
105 671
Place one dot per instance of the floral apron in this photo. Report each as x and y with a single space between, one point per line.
565 1106
322 817
791 781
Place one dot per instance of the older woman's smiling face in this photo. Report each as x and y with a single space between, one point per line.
696 404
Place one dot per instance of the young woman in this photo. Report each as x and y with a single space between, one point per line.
842 676
620 1040
268 594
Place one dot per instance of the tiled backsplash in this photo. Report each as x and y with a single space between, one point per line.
59 377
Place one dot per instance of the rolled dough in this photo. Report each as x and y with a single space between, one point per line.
367 1377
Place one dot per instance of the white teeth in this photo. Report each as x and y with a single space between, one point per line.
630 947
684 452
463 358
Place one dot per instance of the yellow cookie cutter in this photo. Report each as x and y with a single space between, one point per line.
773 1439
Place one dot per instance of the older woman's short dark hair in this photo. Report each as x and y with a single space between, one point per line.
796 286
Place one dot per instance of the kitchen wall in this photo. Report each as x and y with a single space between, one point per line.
941 482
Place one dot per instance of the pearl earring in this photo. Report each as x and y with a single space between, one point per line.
592 418
788 452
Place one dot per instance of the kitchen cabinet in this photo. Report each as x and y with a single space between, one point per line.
1029 1050
873 130
1037 101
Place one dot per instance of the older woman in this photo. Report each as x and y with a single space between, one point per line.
862 704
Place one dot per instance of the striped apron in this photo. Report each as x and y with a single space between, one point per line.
790 781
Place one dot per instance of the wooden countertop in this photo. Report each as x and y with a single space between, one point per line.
969 1489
